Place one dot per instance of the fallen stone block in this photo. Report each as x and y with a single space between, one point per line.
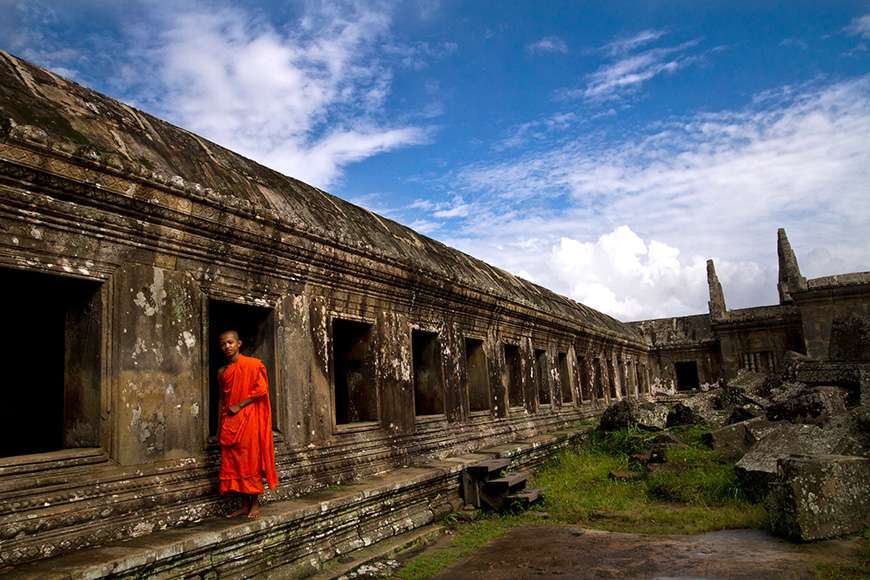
819 497
709 407
743 413
733 441
815 406
758 467
683 415
667 439
621 414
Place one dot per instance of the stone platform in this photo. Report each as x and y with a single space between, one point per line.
295 538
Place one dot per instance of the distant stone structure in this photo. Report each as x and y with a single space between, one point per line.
127 245
826 320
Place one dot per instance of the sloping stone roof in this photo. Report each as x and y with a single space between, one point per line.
40 102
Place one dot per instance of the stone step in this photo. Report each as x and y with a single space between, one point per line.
525 497
510 483
483 470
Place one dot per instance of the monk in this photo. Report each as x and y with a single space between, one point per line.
245 429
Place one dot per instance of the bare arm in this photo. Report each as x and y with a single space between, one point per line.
242 404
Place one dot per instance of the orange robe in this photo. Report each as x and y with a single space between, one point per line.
247 450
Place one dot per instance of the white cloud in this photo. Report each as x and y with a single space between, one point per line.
859 26
627 44
548 44
628 73
705 185
305 100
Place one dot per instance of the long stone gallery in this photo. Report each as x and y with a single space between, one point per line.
128 244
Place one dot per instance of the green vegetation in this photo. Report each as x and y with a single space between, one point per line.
466 540
692 492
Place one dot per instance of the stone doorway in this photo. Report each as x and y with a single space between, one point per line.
687 375
256 328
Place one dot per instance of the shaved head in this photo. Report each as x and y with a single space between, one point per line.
226 332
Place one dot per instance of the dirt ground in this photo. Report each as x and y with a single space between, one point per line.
570 552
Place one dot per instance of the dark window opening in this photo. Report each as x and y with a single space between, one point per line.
542 378
585 395
599 380
51 394
687 375
428 383
565 378
353 370
513 370
256 328
477 375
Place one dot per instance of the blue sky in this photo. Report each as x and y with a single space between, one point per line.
604 150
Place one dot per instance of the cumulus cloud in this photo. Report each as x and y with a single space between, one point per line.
548 44
303 100
305 97
704 185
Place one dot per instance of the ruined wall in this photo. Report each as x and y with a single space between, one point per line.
758 338
835 312
683 339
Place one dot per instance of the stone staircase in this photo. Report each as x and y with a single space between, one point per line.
484 485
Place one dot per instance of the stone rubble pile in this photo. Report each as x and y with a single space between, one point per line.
803 449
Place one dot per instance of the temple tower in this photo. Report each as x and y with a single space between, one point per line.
718 310
790 278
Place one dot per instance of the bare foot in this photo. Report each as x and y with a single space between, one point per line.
254 512
239 512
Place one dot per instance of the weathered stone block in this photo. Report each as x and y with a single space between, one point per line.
683 415
757 468
818 497
733 441
621 414
742 413
815 406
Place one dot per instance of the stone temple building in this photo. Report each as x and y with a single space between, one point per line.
827 320
127 244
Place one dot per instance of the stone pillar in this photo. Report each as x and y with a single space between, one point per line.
159 403
452 370
395 376
527 366
304 339
497 375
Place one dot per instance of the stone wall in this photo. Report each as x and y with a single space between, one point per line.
168 263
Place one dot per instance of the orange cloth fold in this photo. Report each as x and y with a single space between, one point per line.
247 449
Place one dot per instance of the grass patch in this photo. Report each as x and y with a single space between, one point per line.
691 493
466 540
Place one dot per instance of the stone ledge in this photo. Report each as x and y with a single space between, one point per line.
295 537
